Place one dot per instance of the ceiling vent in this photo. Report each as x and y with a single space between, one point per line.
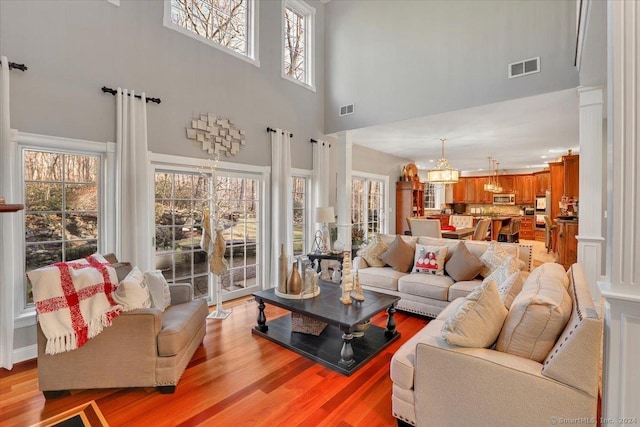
522 68
345 110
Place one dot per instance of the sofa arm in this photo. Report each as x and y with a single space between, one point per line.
498 389
180 292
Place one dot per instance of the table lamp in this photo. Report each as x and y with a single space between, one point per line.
324 216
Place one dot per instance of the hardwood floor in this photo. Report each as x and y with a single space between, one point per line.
234 379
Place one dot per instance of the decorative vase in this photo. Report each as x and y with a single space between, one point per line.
294 284
310 280
283 264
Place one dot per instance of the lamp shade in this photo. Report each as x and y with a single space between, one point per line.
325 215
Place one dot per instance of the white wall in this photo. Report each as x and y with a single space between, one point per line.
403 59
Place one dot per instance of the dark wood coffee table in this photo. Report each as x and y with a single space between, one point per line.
335 347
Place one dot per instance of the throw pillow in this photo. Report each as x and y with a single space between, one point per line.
372 251
478 320
537 317
399 255
158 288
133 291
502 274
463 265
430 259
495 255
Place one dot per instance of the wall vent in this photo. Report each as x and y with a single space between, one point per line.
345 110
522 68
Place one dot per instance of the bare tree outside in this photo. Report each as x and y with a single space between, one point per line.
294 44
222 21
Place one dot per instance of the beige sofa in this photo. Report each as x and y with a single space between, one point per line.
427 294
142 348
438 384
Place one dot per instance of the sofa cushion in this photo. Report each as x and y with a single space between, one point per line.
425 285
132 291
463 288
429 259
463 265
403 362
372 251
508 285
180 323
537 316
159 289
434 241
450 309
495 255
380 277
389 238
399 255
478 320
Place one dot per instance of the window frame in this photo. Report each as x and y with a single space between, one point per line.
384 179
251 56
169 162
25 315
309 14
308 225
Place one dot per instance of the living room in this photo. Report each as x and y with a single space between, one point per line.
73 49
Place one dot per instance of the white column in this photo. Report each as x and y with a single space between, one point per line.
589 237
621 289
343 183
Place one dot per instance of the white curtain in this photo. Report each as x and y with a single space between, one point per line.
135 206
321 173
6 234
281 200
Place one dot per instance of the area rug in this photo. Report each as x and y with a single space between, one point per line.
86 415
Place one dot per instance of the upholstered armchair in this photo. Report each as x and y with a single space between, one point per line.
144 347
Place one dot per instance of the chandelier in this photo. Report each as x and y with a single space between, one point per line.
443 173
493 186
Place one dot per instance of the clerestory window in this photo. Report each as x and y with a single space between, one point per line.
298 22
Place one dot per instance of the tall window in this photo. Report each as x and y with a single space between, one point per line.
298 41
61 194
180 200
221 23
430 196
367 209
299 215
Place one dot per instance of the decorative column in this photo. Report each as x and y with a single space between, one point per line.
621 289
343 183
591 211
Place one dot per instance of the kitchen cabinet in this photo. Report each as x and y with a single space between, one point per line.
527 228
524 189
507 183
471 190
460 191
556 173
444 219
483 196
541 182
567 252
571 175
409 203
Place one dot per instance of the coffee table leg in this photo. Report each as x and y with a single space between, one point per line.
346 354
262 320
391 322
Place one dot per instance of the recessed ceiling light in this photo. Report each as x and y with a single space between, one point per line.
431 161
543 157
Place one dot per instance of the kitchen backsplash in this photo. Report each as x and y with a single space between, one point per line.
495 209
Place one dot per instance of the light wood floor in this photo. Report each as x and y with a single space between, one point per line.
234 379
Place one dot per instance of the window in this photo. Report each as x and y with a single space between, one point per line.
298 21
180 198
300 211
367 208
61 218
226 24
430 196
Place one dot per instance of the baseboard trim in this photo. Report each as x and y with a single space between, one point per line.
25 353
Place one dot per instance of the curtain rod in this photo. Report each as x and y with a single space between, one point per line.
13 65
314 141
113 92
273 130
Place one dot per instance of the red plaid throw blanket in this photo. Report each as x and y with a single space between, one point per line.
74 301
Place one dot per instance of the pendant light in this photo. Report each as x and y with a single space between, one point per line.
443 173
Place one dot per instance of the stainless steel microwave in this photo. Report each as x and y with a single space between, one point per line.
504 199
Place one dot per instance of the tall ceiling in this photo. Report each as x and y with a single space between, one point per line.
521 134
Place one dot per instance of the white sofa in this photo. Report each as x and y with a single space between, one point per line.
438 384
427 294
